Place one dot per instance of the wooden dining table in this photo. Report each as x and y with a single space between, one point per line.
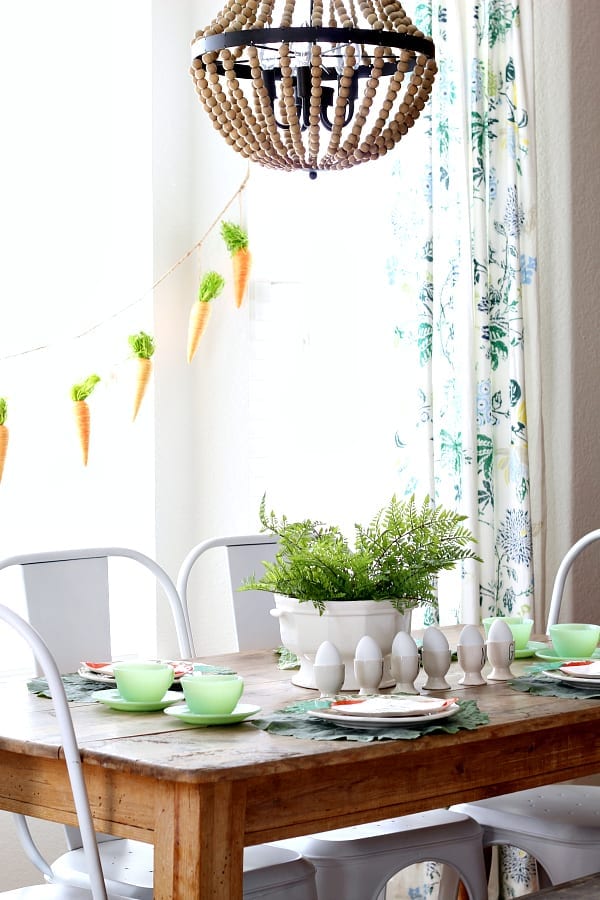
201 794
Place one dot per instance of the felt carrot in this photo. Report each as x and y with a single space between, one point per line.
236 240
79 395
142 346
210 287
3 434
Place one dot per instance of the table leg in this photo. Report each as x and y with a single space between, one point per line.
199 842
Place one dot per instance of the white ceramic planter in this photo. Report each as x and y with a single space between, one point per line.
343 623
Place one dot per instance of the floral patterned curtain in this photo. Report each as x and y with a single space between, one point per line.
464 264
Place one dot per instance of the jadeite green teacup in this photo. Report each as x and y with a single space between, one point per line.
210 694
143 682
574 639
520 627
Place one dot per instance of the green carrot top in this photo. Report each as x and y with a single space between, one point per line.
142 345
82 391
3 410
234 236
210 287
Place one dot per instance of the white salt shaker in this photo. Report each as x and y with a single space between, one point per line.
471 655
368 665
436 659
404 663
500 646
328 669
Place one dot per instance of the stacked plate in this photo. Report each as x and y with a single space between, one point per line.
585 672
373 712
102 672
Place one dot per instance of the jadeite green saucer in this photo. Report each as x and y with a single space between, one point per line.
113 699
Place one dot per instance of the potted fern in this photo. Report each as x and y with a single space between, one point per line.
326 588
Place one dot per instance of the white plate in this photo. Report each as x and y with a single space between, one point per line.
115 701
378 721
592 670
391 706
572 679
241 712
103 673
88 675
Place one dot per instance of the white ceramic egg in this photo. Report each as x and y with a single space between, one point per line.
434 639
499 632
327 655
470 636
404 645
368 648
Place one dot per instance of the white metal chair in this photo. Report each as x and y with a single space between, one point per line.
72 586
67 598
558 824
96 884
351 863
255 628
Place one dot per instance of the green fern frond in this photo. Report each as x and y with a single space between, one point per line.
396 557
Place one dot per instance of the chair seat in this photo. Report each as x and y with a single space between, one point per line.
128 868
356 862
52 892
568 814
559 825
277 873
269 871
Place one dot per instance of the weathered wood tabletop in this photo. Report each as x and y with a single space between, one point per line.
202 794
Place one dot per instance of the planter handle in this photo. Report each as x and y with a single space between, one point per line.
277 613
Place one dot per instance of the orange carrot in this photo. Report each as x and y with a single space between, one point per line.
143 347
79 395
3 434
236 240
210 287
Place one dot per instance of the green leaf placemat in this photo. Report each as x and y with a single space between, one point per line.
214 670
287 659
538 683
293 721
76 687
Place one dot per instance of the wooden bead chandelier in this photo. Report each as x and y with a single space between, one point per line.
291 85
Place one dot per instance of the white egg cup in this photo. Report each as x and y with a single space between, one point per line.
436 664
369 674
368 665
471 659
500 654
329 678
404 670
471 654
404 663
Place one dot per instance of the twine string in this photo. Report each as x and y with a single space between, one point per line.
159 281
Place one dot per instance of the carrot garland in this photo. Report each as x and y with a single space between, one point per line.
3 434
79 395
142 346
210 287
236 240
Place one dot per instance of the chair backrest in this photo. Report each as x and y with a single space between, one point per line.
562 572
70 588
71 752
255 628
